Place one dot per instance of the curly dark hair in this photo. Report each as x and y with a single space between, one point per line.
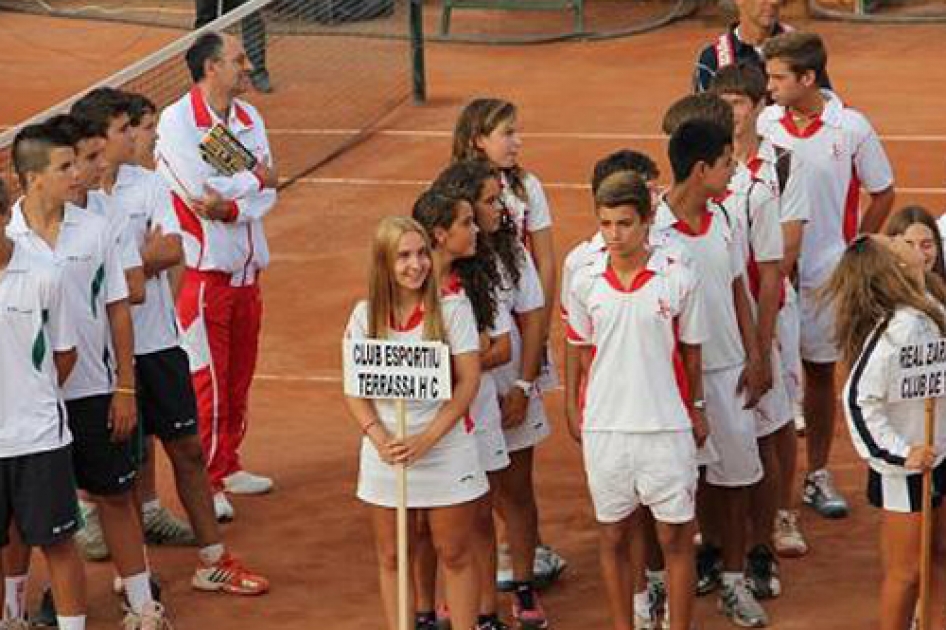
478 276
507 247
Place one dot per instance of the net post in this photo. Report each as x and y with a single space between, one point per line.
418 72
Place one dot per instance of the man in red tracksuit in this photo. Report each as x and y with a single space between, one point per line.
225 250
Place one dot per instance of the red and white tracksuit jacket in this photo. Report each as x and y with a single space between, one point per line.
219 305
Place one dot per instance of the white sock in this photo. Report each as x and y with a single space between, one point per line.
211 554
14 602
731 577
642 605
138 591
151 506
71 623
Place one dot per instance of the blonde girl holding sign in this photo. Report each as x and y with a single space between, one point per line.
879 292
444 476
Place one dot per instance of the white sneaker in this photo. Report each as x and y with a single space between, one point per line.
14 624
90 538
223 508
788 539
152 617
243 482
740 605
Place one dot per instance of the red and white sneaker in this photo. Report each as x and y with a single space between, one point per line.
527 610
229 576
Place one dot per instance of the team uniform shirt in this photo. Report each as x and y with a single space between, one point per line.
461 336
529 215
98 203
93 278
882 430
237 247
581 255
34 324
841 153
145 199
713 254
635 331
752 207
515 299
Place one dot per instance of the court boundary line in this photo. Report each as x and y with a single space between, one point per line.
368 181
543 135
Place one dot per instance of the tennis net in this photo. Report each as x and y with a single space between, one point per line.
338 68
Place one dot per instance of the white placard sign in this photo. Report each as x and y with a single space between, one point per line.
921 371
397 371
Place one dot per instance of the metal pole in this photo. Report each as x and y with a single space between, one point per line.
416 25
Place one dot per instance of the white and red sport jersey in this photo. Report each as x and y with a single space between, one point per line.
636 383
580 255
92 278
841 154
146 199
34 323
752 204
237 247
461 336
713 254
529 215
99 203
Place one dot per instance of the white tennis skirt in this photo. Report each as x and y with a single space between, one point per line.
449 474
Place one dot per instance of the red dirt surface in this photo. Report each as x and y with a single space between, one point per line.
311 537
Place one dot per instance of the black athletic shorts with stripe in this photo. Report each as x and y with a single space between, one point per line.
38 496
904 493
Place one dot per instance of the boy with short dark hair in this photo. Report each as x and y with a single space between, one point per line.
842 155
734 374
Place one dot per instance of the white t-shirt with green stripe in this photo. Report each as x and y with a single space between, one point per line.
93 278
34 323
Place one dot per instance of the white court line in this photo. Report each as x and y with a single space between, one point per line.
561 135
366 181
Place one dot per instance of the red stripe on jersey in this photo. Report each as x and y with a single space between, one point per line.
202 116
453 286
852 206
468 424
583 387
189 223
683 384
706 220
415 319
639 280
242 115
572 335
789 123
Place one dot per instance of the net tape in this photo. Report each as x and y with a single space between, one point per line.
332 85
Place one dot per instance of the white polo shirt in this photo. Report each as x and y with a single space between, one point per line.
34 323
714 255
237 247
841 154
92 278
98 203
144 197
531 214
752 206
636 383
461 336
579 256
513 300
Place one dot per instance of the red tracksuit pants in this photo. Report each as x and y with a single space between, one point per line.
221 326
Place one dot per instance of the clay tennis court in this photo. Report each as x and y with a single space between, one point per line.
578 101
